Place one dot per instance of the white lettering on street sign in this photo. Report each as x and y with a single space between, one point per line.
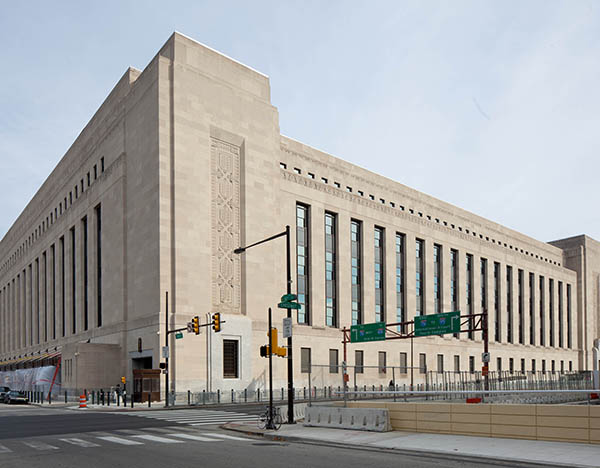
165 352
287 327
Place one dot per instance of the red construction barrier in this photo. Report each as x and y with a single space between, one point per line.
82 401
473 400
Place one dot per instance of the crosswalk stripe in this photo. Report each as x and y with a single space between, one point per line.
4 449
196 416
224 436
216 418
153 438
79 442
212 423
40 445
194 437
119 440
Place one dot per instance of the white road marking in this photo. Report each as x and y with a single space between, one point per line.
79 442
4 449
224 436
194 437
40 445
153 438
119 440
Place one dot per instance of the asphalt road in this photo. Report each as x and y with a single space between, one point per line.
59 438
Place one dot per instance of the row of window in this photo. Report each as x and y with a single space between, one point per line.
392 204
422 367
23 300
68 201
515 320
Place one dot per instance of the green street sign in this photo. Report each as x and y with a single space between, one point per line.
288 297
178 335
289 305
367 332
437 324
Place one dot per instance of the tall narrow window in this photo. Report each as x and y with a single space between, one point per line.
437 278
454 279
37 301
29 303
356 270
497 336
561 342
521 306
63 285
422 363
569 334
419 267
382 362
379 275
231 359
531 309
302 257
333 361
45 272
73 283
330 270
542 321
509 310
305 360
483 280
53 251
403 363
84 227
400 315
358 362
551 310
469 291
98 211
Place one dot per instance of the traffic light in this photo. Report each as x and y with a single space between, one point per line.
196 325
277 350
123 380
216 322
264 351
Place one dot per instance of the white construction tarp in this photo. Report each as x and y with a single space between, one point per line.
37 379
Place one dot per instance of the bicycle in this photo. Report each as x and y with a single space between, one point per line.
263 419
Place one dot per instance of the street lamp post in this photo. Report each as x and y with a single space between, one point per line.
240 250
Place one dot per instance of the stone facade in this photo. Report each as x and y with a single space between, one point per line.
184 162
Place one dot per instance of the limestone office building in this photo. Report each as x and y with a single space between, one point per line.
183 162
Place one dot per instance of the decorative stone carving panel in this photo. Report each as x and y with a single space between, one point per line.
225 189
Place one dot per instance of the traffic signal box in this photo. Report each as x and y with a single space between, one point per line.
216 325
277 350
123 380
196 325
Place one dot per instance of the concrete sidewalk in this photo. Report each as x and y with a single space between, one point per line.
508 450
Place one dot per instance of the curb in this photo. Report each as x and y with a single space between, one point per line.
435 454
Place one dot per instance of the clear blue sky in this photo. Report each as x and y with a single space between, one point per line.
492 106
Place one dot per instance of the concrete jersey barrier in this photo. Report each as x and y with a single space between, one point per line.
362 419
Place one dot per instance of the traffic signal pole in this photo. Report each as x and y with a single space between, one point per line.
289 340
270 424
241 250
167 345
